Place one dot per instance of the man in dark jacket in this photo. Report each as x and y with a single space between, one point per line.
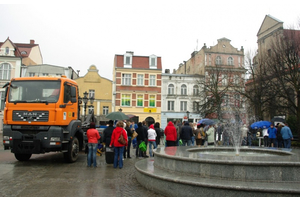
186 134
140 138
108 132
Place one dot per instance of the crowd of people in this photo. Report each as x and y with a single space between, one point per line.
176 134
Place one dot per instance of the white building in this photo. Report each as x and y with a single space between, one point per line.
180 95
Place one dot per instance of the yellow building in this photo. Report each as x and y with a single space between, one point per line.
100 89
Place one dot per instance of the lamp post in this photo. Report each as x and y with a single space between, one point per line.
85 101
120 109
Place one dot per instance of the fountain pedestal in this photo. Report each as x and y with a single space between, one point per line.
186 171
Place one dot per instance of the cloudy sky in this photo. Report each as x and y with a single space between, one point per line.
92 32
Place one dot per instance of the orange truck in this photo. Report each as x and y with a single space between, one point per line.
41 115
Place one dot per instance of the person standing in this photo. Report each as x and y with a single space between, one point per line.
210 135
158 133
108 132
171 134
151 139
145 132
272 135
129 135
186 134
140 138
118 147
93 137
287 136
279 136
198 135
266 137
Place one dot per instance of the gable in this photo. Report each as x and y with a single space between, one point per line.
269 25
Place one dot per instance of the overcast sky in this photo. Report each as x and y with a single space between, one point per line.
91 33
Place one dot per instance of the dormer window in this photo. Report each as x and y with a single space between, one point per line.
23 52
128 60
6 50
153 62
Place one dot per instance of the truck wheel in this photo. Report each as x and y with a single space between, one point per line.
22 157
73 150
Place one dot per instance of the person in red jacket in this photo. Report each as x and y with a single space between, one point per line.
171 134
93 137
118 147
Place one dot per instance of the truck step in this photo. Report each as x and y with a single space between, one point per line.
65 141
66 132
64 151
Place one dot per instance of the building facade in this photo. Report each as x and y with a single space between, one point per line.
100 89
180 97
228 62
137 86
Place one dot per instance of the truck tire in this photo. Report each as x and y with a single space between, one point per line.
73 151
22 157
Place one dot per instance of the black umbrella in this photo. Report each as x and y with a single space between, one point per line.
278 119
117 116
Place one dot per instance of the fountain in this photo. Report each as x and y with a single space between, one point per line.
222 171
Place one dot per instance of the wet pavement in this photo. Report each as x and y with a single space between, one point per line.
48 175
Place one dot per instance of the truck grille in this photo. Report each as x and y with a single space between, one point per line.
30 116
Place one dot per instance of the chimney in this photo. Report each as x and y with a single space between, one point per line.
31 41
167 71
130 52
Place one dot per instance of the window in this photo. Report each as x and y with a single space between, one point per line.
45 74
218 60
6 50
90 109
91 93
230 61
183 89
171 89
195 106
236 79
140 79
152 101
140 100
5 71
2 103
153 62
183 105
152 80
126 99
128 60
196 90
67 93
224 79
105 110
170 105
237 100
225 100
126 79
31 74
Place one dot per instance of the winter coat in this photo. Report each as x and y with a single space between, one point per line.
140 132
115 136
286 133
272 132
151 133
186 132
210 135
92 135
107 134
170 132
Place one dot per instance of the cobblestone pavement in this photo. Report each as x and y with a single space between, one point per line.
48 175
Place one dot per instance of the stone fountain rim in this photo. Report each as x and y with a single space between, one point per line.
229 162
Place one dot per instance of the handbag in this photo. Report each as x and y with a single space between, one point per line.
121 139
134 135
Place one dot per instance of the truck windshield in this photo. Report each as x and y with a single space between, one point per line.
34 91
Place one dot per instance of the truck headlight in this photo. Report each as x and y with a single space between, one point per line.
55 139
5 137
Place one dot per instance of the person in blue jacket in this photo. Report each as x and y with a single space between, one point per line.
286 136
272 131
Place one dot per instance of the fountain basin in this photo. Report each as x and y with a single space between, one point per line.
211 172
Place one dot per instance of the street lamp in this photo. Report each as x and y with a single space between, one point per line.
120 109
188 115
85 101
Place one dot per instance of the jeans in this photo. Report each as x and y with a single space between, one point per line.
280 143
118 159
128 148
287 143
92 154
150 147
193 140
188 142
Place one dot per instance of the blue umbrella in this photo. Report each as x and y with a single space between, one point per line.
201 121
260 124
